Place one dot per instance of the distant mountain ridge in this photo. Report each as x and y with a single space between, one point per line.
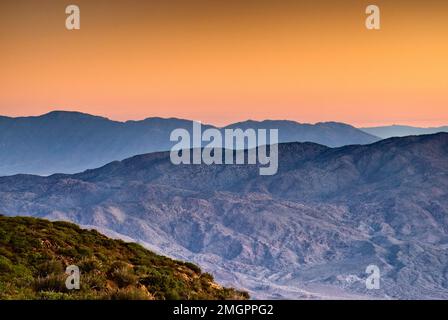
385 132
70 142
309 231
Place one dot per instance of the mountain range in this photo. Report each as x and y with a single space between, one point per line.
71 142
385 132
309 231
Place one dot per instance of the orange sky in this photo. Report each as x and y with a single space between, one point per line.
226 61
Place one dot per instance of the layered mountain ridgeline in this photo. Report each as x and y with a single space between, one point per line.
69 142
308 231
402 131
34 254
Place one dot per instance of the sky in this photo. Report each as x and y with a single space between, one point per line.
226 61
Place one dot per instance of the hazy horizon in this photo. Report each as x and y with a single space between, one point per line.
224 62
213 124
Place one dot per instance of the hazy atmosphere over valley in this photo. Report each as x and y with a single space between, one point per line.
342 200
223 150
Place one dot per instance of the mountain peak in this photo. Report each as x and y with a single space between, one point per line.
62 114
70 141
397 130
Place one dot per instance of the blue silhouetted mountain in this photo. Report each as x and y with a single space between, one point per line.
69 142
385 132
309 231
331 134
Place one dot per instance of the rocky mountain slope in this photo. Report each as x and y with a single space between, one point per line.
70 142
309 231
34 254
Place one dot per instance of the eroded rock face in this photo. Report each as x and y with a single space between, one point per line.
308 232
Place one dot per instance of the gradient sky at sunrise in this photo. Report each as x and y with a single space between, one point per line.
226 61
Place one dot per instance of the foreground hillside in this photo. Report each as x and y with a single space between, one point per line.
308 231
34 254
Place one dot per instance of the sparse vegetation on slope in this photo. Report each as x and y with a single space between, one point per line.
35 252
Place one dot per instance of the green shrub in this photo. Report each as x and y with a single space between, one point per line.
50 267
51 295
193 267
207 277
172 295
123 276
5 265
95 282
71 252
50 283
90 264
84 251
129 294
